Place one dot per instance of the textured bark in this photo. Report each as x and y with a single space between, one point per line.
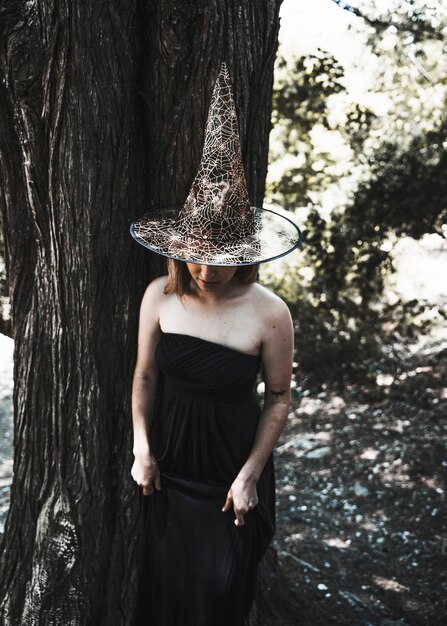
102 112
68 112
184 46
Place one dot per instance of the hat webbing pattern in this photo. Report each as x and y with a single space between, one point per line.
217 225
217 207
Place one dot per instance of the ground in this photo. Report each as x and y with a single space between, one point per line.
361 501
360 496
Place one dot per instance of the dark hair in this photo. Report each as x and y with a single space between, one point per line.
179 278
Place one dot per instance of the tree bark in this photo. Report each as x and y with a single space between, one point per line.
68 110
102 112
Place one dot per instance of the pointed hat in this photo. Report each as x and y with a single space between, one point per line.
216 225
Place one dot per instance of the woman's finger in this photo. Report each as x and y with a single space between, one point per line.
239 521
228 502
157 480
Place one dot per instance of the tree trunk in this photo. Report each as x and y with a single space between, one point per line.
102 112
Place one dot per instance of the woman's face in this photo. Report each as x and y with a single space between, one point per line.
211 277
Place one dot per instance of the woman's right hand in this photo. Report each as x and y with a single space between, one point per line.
145 472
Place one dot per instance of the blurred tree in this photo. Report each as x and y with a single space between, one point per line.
407 189
300 102
423 19
394 164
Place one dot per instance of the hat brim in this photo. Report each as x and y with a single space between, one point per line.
274 236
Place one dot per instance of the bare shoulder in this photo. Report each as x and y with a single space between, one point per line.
276 333
153 297
271 307
277 341
155 290
149 326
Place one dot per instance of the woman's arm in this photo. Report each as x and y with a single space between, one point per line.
144 470
277 358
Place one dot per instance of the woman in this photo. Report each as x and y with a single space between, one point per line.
250 326
202 446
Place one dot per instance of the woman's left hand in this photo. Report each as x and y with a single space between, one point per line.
243 497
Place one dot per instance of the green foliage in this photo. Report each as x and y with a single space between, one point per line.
336 302
420 19
336 288
300 103
301 92
407 190
3 284
4 324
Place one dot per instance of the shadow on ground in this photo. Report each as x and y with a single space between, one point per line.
361 501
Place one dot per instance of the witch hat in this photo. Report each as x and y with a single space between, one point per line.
216 225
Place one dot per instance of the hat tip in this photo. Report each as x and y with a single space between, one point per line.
224 71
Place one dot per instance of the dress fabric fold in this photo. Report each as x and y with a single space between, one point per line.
197 567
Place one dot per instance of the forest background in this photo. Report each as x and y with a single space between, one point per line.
359 157
358 152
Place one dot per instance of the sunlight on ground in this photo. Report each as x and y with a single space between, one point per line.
389 585
336 542
369 454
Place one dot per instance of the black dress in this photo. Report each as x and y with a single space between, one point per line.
198 568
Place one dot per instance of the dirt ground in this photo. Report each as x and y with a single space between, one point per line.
362 534
361 498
